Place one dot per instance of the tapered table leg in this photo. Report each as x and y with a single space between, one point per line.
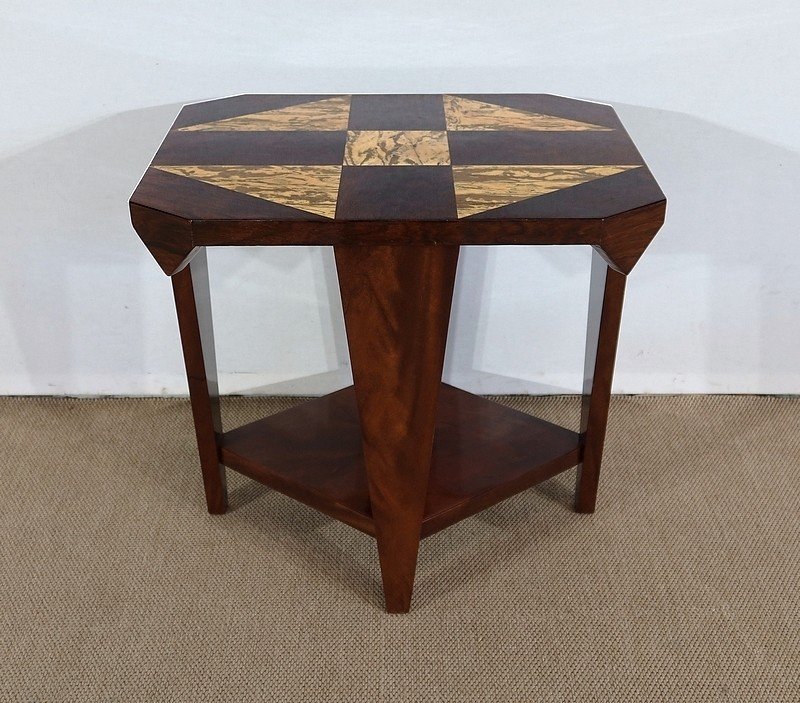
193 304
606 293
396 302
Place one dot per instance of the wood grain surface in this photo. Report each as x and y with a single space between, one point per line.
193 305
482 453
397 183
451 169
396 303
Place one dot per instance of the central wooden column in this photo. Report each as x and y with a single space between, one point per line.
396 302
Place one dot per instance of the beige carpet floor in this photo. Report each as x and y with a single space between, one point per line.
115 585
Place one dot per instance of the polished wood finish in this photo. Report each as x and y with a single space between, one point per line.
412 204
606 293
168 237
396 303
482 453
193 304
396 184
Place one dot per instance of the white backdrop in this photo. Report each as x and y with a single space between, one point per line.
709 93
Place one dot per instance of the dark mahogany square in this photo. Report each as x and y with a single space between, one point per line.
396 193
490 148
252 148
396 112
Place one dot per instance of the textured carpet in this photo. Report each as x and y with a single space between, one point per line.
115 585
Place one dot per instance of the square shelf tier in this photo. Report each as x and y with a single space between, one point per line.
483 453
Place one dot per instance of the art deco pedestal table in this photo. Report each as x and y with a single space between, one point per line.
396 184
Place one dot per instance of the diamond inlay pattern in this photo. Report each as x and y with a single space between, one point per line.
314 188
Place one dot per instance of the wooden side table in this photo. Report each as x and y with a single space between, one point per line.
396 184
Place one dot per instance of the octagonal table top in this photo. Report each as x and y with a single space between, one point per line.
397 169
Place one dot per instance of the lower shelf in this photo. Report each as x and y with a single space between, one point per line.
483 452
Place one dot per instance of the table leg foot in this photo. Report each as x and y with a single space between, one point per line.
398 559
216 493
396 302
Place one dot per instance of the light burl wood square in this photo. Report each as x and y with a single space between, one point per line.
392 148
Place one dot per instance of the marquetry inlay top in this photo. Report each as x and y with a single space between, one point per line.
396 158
